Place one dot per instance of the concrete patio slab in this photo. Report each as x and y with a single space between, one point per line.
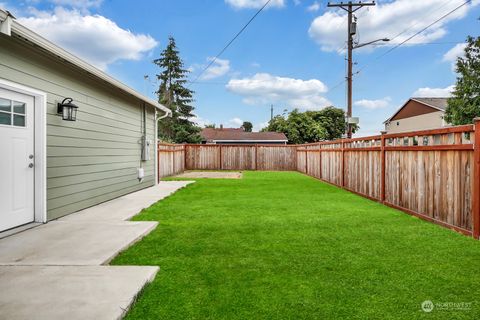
13 231
88 292
210 175
72 243
56 270
124 208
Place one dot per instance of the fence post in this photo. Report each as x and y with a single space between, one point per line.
476 181
184 157
306 160
343 164
320 160
382 177
256 157
173 152
296 157
221 158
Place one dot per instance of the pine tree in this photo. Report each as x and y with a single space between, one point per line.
465 103
173 94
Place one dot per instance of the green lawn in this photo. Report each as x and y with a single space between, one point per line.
287 246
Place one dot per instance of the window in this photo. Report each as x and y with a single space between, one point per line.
12 113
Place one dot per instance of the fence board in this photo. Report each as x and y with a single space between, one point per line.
241 157
433 174
171 159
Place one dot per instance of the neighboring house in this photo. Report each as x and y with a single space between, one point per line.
50 166
418 114
239 136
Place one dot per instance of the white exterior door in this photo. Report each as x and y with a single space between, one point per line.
17 159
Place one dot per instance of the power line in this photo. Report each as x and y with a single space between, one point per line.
350 8
414 35
230 42
417 22
421 43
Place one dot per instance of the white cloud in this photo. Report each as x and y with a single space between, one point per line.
373 104
94 38
78 3
434 92
199 121
255 4
388 19
259 126
219 68
235 122
264 88
452 54
370 126
314 7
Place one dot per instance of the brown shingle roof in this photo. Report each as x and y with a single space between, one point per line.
210 134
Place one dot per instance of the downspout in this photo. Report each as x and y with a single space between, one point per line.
158 118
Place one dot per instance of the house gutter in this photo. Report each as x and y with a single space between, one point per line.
157 120
10 27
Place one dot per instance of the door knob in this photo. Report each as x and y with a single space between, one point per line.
30 165
30 156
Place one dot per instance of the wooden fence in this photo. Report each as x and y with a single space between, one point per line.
171 159
240 157
429 174
432 174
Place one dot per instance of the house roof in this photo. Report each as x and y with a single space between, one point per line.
439 104
11 27
234 134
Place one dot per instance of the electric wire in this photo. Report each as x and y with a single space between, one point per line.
212 61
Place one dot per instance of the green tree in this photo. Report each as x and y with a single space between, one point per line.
173 93
464 105
247 126
212 126
310 126
333 120
299 127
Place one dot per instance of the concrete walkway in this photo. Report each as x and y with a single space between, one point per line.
57 270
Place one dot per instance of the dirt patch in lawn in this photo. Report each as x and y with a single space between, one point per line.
210 174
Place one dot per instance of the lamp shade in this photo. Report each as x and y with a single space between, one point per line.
67 110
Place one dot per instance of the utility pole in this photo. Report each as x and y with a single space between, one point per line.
350 7
271 112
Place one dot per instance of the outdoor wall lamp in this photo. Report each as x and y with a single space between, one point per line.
67 110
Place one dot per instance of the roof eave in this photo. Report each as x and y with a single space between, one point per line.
36 39
411 99
427 104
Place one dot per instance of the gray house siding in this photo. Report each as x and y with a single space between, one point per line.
94 159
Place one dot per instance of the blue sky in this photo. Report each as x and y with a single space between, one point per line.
290 56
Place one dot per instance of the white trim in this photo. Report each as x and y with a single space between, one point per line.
40 143
155 148
6 25
59 53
